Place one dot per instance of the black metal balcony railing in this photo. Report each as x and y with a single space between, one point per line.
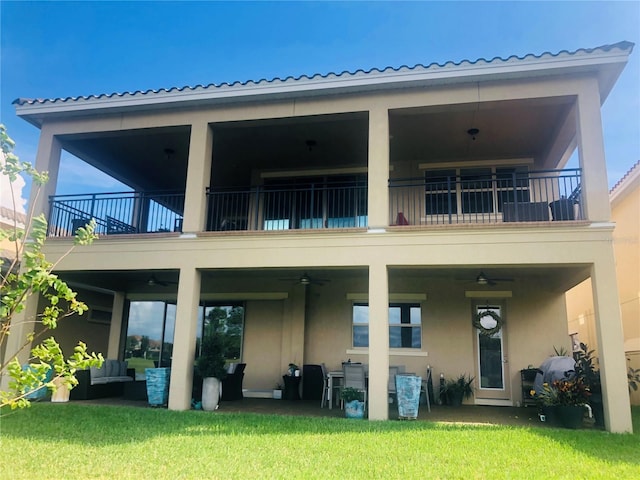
116 213
287 207
515 197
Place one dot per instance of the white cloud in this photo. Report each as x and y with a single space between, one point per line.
76 176
11 193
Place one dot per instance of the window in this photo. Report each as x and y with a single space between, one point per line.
150 330
405 325
333 201
227 320
441 195
458 191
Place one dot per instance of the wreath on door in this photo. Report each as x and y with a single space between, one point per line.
477 322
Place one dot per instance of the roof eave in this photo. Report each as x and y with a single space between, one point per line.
606 64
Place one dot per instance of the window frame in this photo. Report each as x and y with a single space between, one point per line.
405 308
470 185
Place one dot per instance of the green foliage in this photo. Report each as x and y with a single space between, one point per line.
34 276
227 323
565 393
633 377
349 394
211 362
586 368
560 352
459 386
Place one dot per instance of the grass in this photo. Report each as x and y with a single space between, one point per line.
56 441
140 364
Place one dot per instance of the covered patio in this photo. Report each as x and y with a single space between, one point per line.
466 414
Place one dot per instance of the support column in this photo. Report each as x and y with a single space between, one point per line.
198 175
613 367
378 342
595 189
378 169
23 323
47 159
184 339
115 331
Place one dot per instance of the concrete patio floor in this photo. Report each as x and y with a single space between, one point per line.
469 414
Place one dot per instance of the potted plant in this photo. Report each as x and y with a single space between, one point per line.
353 402
293 370
564 401
458 389
586 370
633 378
211 367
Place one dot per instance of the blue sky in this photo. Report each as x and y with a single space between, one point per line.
61 49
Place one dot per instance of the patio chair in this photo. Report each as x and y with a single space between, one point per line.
354 377
393 371
425 387
232 384
326 394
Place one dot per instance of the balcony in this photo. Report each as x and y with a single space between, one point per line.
116 213
500 197
505 195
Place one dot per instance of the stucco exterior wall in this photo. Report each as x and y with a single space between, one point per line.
626 243
77 328
262 344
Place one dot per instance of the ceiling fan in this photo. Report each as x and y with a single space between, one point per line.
152 281
305 280
483 279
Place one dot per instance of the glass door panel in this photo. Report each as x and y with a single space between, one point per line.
491 359
150 330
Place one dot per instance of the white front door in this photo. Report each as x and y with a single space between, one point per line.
492 367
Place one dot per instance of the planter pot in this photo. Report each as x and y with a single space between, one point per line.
597 409
210 393
571 417
277 394
454 399
62 392
354 409
562 209
158 385
551 415
408 394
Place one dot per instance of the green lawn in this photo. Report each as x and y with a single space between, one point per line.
140 364
69 441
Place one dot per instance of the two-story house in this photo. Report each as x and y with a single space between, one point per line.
373 216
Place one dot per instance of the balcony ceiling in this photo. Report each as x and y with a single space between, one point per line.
136 283
156 159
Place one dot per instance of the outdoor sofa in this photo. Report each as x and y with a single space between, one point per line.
107 381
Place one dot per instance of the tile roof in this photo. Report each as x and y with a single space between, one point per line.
11 215
373 75
633 171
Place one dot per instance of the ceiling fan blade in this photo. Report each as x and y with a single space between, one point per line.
305 279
